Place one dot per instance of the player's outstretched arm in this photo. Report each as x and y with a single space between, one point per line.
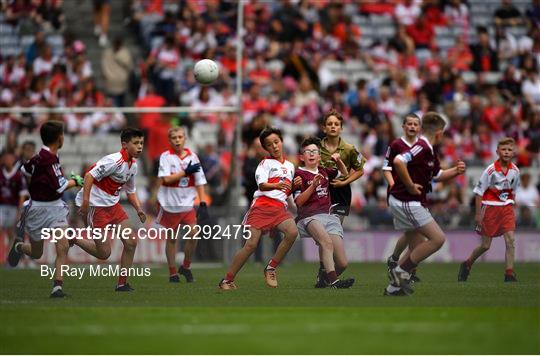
133 199
447 174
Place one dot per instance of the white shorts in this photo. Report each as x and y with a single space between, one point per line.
331 224
39 215
408 215
8 216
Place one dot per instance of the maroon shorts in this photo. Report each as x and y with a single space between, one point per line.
101 216
496 220
173 220
265 218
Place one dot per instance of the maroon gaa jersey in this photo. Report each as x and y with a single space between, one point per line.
423 165
12 186
47 181
319 201
398 146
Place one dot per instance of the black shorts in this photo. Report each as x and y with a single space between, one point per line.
341 200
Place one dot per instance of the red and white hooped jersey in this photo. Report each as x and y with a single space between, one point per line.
496 187
179 196
112 174
270 170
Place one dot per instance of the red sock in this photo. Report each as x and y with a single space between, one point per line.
339 270
272 264
172 270
186 264
509 272
122 280
469 262
58 283
408 265
331 276
229 277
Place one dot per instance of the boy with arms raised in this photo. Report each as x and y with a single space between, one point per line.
45 209
99 201
495 202
411 130
314 218
415 170
182 179
274 176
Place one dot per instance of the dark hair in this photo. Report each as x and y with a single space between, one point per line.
267 132
432 121
311 140
335 113
50 131
412 116
128 133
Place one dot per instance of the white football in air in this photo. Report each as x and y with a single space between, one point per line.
206 71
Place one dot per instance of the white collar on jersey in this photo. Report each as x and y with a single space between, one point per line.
10 175
427 141
407 143
309 170
46 148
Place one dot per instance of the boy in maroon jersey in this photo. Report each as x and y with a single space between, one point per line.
314 218
415 170
46 209
13 193
411 130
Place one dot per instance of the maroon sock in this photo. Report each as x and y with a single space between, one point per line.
272 264
122 280
339 270
509 272
172 271
229 277
331 276
58 283
186 264
469 262
408 265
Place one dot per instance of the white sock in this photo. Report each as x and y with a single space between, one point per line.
400 270
392 289
55 288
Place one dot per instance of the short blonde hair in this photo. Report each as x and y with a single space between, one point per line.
506 141
174 129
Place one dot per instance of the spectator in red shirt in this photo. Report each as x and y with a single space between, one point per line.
421 33
460 56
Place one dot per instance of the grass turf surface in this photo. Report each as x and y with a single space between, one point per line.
484 315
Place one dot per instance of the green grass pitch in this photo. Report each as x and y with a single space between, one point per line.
481 316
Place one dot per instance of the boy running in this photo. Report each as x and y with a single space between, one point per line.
274 177
45 209
314 218
182 179
495 202
340 188
99 200
411 130
415 170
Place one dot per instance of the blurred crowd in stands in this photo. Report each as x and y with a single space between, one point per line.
403 56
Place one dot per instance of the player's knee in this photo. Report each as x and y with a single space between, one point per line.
485 246
291 234
326 244
510 242
439 241
130 244
250 246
